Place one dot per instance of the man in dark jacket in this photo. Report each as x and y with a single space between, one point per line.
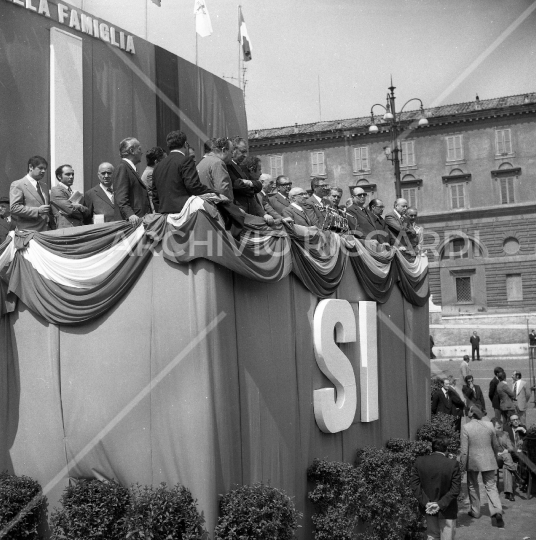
175 178
475 345
436 482
493 394
446 401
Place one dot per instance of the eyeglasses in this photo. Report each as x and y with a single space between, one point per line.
360 195
287 184
69 174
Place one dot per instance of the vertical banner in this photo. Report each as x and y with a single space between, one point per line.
66 105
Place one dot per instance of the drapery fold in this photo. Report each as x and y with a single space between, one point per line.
72 276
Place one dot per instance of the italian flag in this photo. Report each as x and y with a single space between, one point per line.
243 37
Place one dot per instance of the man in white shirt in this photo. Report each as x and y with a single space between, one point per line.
29 198
100 199
398 224
296 210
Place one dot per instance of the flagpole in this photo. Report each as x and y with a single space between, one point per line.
239 45
196 53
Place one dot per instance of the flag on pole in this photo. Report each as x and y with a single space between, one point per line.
203 26
157 2
243 37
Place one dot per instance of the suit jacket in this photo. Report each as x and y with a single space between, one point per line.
130 193
399 229
24 202
383 234
437 478
175 180
213 173
362 223
522 395
300 217
492 393
244 196
278 202
474 396
98 202
478 446
505 397
65 213
452 406
313 208
5 227
475 341
264 201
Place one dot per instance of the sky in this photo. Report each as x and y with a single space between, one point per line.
333 59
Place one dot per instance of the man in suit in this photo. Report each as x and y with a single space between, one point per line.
436 482
493 394
446 401
360 220
100 199
176 178
522 394
334 197
475 345
6 223
417 238
473 395
382 235
315 204
212 169
66 213
29 198
399 225
244 193
130 192
279 200
296 209
479 448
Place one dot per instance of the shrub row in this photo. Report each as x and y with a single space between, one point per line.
92 509
373 500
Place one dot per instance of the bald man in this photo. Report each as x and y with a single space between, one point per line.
399 226
296 209
100 199
359 218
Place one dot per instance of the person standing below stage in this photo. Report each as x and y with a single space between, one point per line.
417 238
359 219
279 200
493 395
130 193
477 455
30 200
152 157
464 367
446 401
473 394
66 213
475 345
521 393
436 483
6 223
175 178
506 397
398 224
100 199
505 460
532 343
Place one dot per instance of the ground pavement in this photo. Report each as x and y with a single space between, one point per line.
520 515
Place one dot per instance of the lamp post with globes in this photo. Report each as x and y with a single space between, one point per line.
394 119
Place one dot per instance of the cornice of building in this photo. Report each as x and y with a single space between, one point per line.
443 115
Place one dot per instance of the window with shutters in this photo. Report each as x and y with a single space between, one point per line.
276 165
410 194
457 196
408 154
503 142
318 167
514 287
361 159
464 293
455 148
507 190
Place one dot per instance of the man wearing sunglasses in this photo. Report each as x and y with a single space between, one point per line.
66 212
360 220
279 200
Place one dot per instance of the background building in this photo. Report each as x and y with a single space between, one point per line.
471 173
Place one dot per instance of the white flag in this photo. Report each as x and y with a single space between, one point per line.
203 26
243 36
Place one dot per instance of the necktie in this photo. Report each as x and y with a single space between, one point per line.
70 191
515 388
111 193
39 192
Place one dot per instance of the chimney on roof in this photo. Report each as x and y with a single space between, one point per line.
526 99
477 102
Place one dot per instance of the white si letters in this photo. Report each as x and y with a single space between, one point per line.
336 412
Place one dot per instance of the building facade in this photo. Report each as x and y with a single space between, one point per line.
471 173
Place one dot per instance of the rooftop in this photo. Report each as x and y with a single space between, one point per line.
364 121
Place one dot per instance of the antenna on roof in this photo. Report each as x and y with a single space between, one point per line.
319 102
477 98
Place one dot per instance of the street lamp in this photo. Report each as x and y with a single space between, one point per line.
394 120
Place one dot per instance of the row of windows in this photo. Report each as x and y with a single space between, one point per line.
458 196
503 147
464 289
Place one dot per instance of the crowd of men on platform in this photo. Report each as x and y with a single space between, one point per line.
225 173
485 447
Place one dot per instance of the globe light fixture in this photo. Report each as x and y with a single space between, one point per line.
373 128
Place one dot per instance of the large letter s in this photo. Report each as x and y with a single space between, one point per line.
334 414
